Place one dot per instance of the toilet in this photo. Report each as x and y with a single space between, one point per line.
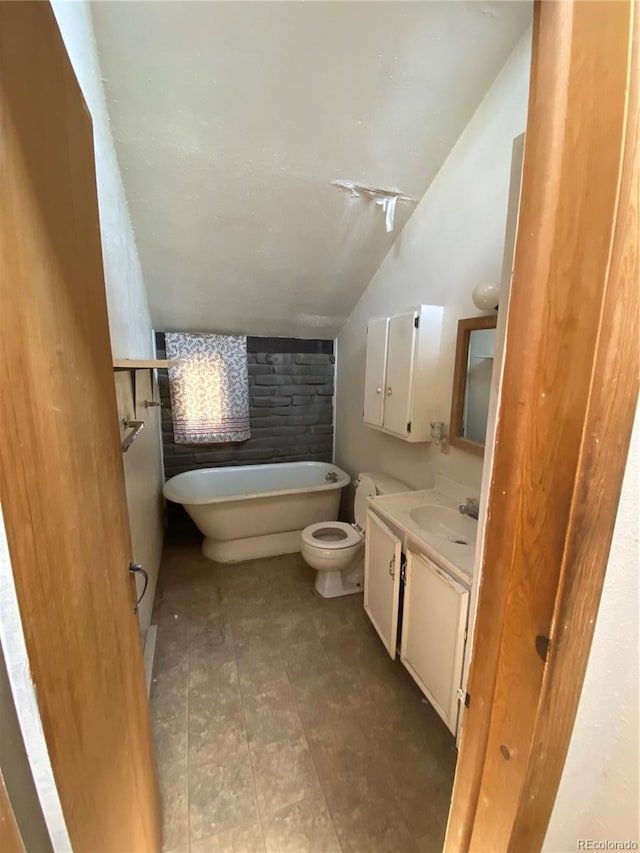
336 549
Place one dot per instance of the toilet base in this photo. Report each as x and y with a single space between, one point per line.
346 582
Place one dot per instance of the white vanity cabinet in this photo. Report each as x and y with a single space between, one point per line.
401 371
383 556
402 583
434 621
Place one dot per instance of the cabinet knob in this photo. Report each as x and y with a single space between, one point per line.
389 391
379 390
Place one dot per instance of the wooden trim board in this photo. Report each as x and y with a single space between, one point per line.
568 400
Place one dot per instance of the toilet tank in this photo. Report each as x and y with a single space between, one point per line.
386 485
383 484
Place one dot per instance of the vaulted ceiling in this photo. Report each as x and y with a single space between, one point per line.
232 120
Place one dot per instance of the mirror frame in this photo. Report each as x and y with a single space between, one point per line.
465 327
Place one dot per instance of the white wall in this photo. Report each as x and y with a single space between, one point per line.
129 319
454 240
599 792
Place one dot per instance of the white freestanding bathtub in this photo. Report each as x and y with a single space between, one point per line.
254 511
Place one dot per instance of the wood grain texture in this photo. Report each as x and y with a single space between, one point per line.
456 422
603 453
61 475
10 836
569 393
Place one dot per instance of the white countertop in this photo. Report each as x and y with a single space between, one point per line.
455 558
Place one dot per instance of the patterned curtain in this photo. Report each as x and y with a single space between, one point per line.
209 388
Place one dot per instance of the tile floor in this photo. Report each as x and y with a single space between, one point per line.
280 722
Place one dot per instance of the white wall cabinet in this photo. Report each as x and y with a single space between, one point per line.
383 555
401 372
434 621
376 370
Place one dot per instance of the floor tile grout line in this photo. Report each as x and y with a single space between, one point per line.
304 735
370 756
188 743
315 768
324 794
246 732
385 781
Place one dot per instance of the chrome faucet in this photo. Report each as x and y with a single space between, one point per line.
470 507
332 477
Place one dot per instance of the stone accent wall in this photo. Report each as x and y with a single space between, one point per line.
291 400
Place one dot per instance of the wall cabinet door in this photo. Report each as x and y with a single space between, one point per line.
375 370
399 379
434 622
401 372
383 554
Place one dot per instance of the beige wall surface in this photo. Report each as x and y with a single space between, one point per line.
453 241
599 792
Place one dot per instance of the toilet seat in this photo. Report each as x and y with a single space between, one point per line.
331 535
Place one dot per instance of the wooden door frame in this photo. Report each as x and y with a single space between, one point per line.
569 395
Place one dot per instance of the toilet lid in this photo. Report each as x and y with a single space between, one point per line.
332 535
366 489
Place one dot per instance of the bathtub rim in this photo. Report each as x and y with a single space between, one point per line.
342 481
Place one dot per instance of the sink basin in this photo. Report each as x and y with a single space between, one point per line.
445 523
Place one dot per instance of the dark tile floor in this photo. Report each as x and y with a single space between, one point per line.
280 722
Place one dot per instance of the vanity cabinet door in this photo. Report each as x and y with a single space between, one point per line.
383 554
434 624
375 371
399 379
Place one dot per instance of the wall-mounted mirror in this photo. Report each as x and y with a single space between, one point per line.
472 383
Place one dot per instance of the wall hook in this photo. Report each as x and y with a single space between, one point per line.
136 428
136 568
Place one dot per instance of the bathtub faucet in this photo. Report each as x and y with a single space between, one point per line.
332 477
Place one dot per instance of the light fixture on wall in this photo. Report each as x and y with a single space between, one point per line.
486 295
